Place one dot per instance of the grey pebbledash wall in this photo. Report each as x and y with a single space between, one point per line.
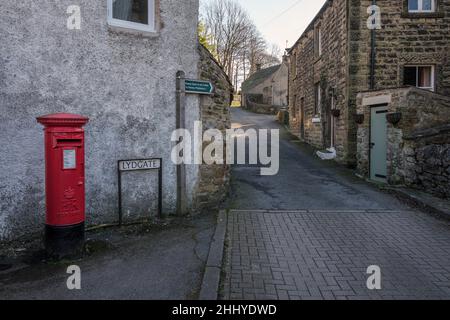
125 84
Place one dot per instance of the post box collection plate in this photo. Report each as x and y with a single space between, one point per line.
139 165
69 159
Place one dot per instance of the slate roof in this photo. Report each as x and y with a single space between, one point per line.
259 77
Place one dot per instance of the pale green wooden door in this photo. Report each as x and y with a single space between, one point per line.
378 143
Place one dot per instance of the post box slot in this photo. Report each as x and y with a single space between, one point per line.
68 142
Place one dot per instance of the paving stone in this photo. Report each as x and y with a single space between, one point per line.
325 254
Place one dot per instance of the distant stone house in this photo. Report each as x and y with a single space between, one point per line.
339 56
268 87
119 70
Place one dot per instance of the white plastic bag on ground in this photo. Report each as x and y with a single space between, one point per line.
330 155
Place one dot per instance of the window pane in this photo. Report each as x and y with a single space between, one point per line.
409 76
413 5
131 10
427 6
424 77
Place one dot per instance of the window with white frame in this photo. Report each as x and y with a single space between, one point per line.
419 76
421 6
132 14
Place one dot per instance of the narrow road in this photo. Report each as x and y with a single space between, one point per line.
312 231
303 182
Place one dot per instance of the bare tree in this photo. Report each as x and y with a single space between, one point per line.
275 51
228 24
238 45
256 47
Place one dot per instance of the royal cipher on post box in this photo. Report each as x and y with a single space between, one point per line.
64 184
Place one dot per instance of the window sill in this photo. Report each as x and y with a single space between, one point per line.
426 89
125 30
418 15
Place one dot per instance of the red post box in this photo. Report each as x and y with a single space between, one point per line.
64 184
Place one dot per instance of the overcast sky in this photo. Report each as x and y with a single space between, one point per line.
281 20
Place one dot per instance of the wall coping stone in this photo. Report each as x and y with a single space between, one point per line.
425 133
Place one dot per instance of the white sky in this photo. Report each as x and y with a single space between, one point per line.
281 20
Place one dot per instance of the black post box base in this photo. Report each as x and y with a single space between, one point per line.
64 242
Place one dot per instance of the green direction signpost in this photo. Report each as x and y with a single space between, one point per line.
198 87
184 86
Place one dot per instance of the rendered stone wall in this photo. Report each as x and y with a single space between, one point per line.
280 85
125 84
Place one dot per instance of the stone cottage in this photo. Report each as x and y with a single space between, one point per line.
114 61
346 49
267 89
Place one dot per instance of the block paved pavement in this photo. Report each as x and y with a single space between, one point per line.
325 254
281 252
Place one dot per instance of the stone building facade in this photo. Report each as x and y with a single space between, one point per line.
418 146
338 56
268 87
121 77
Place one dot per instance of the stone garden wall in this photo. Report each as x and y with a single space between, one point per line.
427 160
261 108
213 184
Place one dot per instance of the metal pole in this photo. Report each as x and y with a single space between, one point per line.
160 189
333 120
181 124
119 174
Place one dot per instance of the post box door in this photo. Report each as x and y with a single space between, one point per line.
68 206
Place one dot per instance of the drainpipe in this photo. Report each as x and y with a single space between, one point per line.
372 55
289 80
332 122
